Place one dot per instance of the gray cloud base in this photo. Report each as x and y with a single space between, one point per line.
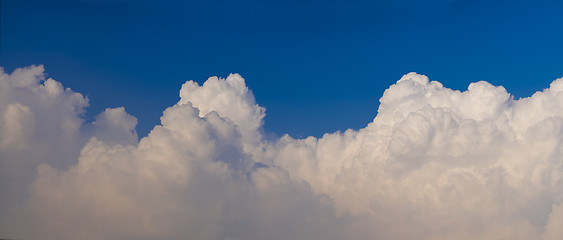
434 164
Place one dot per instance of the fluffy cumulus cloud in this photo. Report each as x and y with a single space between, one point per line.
434 164
40 122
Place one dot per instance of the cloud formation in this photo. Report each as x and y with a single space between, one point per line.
434 164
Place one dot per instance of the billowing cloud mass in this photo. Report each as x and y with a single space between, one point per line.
434 164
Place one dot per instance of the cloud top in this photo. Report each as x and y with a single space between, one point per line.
435 163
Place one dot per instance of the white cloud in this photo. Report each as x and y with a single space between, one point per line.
115 126
434 164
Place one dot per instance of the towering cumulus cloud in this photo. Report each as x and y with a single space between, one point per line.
434 164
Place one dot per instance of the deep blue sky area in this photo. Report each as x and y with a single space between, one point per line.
317 66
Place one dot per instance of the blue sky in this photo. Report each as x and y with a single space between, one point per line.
317 66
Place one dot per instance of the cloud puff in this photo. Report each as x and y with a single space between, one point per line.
40 122
434 164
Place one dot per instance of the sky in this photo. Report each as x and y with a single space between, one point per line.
316 66
217 120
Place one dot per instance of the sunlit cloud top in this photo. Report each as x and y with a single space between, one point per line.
435 163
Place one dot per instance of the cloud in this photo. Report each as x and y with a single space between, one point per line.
434 164
40 122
